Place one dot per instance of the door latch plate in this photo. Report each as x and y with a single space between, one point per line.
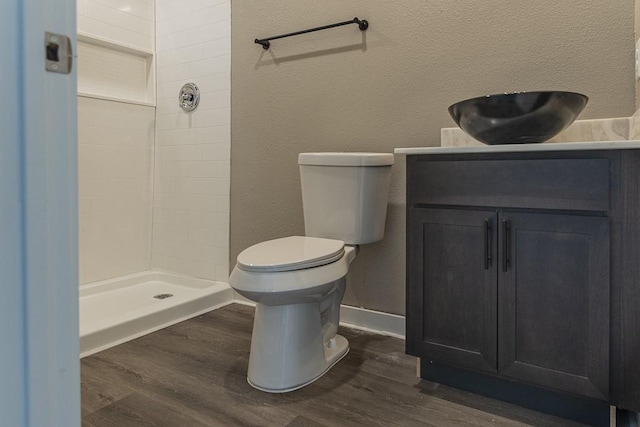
58 54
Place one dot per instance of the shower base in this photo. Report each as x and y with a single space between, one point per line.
118 310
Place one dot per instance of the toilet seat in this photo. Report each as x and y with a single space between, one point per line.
303 280
290 254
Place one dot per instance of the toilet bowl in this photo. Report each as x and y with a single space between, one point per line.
294 339
298 282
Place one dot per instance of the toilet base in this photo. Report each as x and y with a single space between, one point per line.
294 344
334 351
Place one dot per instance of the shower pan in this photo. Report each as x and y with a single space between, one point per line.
121 309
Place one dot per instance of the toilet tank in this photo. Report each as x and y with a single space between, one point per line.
345 195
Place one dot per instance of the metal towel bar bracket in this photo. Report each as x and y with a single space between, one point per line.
362 24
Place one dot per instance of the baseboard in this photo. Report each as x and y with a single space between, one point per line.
377 322
239 299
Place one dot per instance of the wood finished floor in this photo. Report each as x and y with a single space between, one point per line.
194 374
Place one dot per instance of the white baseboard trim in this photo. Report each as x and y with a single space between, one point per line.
377 322
239 299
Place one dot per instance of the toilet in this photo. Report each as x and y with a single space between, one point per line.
298 282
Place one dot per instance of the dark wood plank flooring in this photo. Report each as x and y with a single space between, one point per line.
194 374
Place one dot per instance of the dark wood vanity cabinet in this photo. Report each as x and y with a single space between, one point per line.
526 267
453 311
553 310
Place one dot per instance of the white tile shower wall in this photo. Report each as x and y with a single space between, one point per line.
192 172
128 22
115 152
105 72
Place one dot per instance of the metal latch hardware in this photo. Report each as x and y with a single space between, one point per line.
58 55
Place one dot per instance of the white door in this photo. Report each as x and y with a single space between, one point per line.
39 345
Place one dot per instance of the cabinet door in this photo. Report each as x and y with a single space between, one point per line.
554 301
451 287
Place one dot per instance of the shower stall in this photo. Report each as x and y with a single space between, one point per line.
153 179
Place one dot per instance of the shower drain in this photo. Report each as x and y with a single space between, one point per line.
163 296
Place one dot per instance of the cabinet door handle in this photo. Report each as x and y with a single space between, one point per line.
506 244
487 244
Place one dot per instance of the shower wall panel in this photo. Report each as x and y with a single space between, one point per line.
127 22
115 139
115 153
192 172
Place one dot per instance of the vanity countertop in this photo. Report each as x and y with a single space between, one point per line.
517 148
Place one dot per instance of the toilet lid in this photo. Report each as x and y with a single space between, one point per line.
290 253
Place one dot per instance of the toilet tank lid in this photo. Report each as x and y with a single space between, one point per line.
346 159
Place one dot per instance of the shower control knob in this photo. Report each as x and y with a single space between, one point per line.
189 97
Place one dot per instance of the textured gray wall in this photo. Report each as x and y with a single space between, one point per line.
344 90
637 31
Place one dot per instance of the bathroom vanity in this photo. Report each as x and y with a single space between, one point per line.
523 271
